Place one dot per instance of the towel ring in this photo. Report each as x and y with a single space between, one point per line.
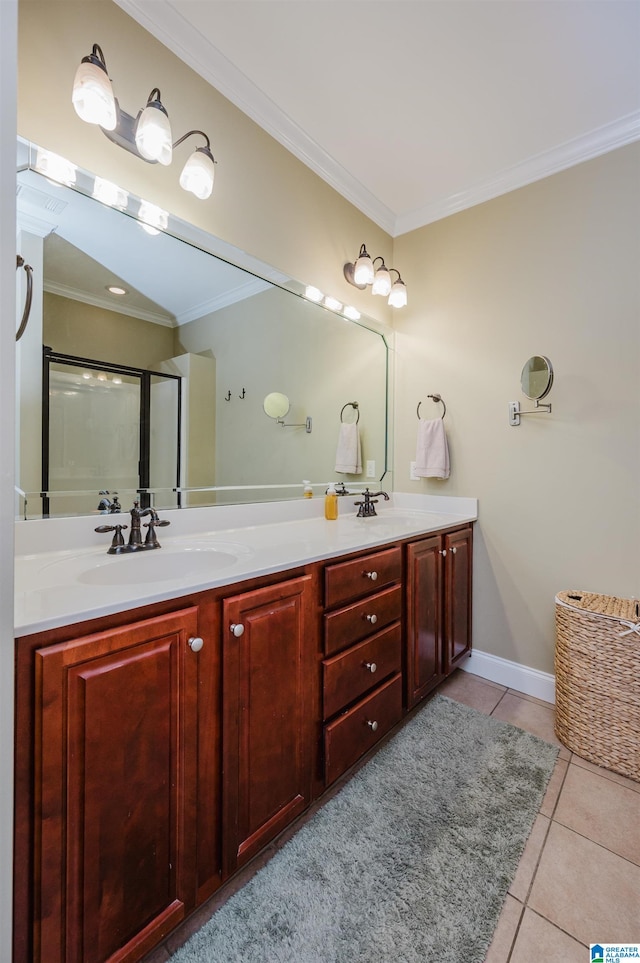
351 404
435 398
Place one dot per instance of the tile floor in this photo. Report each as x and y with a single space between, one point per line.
578 881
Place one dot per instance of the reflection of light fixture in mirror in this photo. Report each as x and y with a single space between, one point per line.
152 219
55 168
352 313
110 194
332 303
362 272
276 405
313 294
117 380
148 135
114 289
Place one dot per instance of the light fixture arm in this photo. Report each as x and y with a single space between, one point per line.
97 58
206 148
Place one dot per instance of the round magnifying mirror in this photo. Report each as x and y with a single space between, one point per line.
537 377
276 405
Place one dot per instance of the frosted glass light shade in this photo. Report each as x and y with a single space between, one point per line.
153 134
92 96
198 174
363 270
398 296
382 282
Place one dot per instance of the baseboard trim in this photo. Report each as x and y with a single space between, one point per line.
532 682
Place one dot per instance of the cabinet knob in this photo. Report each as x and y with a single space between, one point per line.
371 666
453 550
442 551
237 629
372 575
196 643
373 724
371 618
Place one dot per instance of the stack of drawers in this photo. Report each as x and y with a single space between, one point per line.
362 667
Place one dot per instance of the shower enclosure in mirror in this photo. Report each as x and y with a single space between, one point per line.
114 290
110 427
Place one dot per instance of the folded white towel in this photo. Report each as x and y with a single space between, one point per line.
432 451
348 456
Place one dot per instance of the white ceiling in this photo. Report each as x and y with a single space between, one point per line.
414 109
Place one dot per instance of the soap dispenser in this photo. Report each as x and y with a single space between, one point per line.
308 490
331 503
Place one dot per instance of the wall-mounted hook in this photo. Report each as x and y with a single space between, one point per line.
228 395
241 397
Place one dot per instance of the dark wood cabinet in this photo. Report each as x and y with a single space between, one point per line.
115 716
361 671
150 768
438 614
266 716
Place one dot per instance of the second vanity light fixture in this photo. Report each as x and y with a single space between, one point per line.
363 272
148 135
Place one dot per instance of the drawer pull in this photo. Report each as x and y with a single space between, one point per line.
371 618
372 575
195 644
237 629
371 666
453 550
373 724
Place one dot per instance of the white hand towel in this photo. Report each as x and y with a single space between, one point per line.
432 451
348 456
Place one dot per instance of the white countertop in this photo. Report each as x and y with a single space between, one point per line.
207 548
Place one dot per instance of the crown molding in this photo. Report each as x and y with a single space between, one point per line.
168 26
164 22
600 141
223 300
64 291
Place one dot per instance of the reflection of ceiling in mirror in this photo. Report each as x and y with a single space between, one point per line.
177 281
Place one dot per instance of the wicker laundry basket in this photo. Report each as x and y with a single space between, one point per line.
597 666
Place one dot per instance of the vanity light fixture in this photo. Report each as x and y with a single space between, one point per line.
363 272
148 134
398 293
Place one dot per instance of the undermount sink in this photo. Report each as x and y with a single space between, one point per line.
166 564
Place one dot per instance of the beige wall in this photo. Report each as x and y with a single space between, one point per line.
265 201
87 331
550 269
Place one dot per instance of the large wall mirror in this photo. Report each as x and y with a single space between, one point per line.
226 336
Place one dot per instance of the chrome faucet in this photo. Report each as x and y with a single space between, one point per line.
135 543
367 507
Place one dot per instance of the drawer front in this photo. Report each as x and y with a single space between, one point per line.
352 673
355 622
358 730
360 576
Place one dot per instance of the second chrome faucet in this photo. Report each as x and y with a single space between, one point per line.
135 542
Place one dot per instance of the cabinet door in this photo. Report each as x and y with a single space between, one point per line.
115 714
457 606
266 715
424 668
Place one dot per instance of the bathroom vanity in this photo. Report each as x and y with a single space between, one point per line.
170 729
